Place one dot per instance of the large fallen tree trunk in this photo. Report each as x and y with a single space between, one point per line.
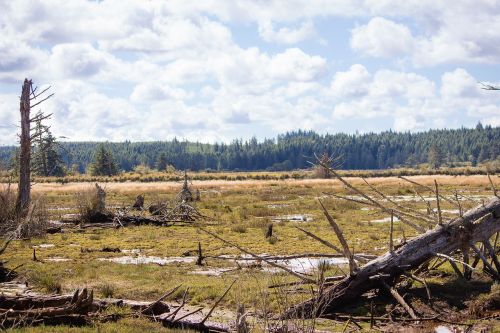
476 225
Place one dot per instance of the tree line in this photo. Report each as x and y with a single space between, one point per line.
288 151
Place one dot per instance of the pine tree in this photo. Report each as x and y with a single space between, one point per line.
104 164
46 160
434 157
161 162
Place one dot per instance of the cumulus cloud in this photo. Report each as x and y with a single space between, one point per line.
412 100
382 38
351 83
286 35
213 69
296 65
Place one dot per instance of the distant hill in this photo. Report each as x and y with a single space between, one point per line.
294 150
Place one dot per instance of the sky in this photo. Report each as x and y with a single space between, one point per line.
217 70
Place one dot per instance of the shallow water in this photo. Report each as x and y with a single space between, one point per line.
384 220
137 260
43 246
304 265
293 218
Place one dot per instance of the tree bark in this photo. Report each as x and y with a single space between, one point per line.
24 185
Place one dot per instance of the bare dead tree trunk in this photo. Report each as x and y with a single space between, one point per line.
24 185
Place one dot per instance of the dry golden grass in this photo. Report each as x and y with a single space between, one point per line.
140 187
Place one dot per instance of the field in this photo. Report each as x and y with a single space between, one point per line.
239 211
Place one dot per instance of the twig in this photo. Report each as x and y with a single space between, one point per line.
150 306
493 188
300 276
400 299
485 261
453 259
330 245
493 255
380 206
391 231
217 303
187 315
440 218
353 267
428 188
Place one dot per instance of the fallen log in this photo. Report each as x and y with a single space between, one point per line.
476 225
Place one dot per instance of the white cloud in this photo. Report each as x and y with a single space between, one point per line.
382 38
286 35
295 65
351 83
151 91
154 69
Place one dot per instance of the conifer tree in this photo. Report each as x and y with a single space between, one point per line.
104 163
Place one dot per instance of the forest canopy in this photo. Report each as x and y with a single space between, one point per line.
293 151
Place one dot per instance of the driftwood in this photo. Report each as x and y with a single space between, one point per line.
80 308
72 311
477 225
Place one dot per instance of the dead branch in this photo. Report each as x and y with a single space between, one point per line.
353 267
269 262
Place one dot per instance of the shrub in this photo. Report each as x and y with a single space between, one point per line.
272 240
107 290
90 202
239 228
33 224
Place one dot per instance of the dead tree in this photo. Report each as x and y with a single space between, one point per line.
28 94
185 194
477 225
139 202
327 162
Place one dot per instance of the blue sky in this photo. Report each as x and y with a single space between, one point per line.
217 70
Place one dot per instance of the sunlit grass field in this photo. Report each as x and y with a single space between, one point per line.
238 211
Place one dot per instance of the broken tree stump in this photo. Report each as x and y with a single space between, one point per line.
139 202
269 232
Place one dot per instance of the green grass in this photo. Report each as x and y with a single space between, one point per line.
240 214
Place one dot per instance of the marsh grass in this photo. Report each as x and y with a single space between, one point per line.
88 203
33 224
235 206
107 290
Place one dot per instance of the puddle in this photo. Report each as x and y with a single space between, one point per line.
293 218
212 271
43 246
385 220
133 251
304 265
57 259
277 206
450 211
137 260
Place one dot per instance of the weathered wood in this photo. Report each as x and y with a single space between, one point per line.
475 225
353 267
139 202
24 182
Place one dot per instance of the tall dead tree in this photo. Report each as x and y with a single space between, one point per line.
28 94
